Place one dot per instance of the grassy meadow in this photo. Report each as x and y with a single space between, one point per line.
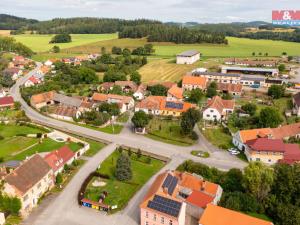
237 47
40 43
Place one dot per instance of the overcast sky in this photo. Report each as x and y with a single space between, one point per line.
165 10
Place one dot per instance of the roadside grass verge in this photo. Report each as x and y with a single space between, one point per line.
218 137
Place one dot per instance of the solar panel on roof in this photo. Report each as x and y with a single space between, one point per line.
174 105
172 185
165 205
167 181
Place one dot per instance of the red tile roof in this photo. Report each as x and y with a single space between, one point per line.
200 199
291 154
265 144
220 104
192 80
6 101
28 174
59 158
216 215
43 97
236 88
176 92
34 80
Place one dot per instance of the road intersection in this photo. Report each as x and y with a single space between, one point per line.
64 209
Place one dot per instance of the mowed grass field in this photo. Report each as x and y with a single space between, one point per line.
40 43
237 47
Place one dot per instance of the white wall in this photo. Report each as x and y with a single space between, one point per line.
211 114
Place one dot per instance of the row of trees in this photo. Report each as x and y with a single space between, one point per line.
284 36
8 44
258 190
147 49
176 34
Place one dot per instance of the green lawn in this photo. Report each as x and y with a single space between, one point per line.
119 193
167 131
47 145
218 137
237 47
95 147
40 43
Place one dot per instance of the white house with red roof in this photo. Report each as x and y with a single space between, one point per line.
32 81
218 109
7 102
59 158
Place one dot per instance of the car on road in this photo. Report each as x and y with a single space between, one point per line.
233 151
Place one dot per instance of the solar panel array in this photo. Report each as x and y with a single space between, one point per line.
165 205
170 183
174 105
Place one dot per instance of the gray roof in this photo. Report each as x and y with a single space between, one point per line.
253 77
217 74
66 100
188 53
254 69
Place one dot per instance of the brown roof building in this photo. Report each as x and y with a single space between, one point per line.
29 182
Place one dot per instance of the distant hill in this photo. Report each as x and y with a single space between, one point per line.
8 22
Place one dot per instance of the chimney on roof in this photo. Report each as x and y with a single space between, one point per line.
203 185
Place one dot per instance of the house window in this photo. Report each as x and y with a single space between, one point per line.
147 215
154 217
146 223
171 222
25 198
162 220
211 110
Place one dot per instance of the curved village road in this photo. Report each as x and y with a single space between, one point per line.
64 210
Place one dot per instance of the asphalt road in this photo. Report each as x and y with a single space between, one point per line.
64 209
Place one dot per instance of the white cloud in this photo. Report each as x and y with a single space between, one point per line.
165 10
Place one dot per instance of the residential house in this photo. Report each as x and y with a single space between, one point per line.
127 86
296 104
7 102
233 78
63 112
271 151
106 86
191 82
216 215
13 72
29 182
188 57
175 93
32 81
40 100
140 93
282 132
57 159
43 70
18 58
173 195
125 103
218 109
229 88
161 106
50 62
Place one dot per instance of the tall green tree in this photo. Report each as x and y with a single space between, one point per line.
123 168
211 90
276 91
269 117
258 179
140 119
136 77
195 96
188 120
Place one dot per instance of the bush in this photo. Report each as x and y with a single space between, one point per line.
59 179
1 137
39 135
194 136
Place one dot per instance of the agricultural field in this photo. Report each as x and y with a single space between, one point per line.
4 32
168 70
40 43
142 170
237 47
